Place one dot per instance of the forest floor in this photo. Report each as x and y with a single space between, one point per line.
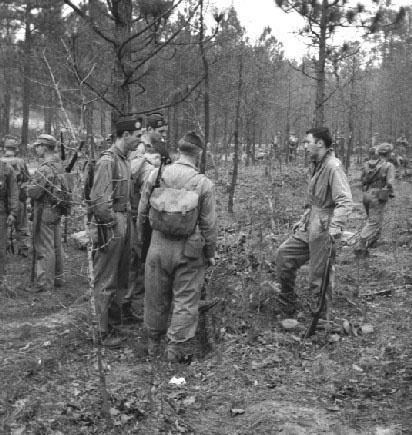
260 378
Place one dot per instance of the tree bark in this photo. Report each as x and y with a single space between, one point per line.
206 105
26 82
236 137
320 68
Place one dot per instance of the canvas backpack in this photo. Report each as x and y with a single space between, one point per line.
61 196
174 211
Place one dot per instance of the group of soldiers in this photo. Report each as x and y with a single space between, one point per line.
154 216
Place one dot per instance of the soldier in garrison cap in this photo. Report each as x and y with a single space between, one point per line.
22 176
8 210
378 178
110 203
157 123
50 192
180 206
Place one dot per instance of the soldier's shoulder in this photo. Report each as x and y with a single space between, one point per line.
106 157
334 163
205 181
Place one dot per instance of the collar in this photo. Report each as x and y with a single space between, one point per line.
183 161
115 148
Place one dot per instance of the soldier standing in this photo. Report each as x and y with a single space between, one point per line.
110 203
180 205
8 210
328 206
141 168
50 193
378 177
22 177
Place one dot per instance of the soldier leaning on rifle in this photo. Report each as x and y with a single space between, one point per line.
180 205
327 209
49 190
8 210
141 168
378 178
110 204
22 176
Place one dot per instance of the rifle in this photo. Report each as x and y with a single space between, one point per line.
11 239
324 287
73 160
37 222
62 151
147 229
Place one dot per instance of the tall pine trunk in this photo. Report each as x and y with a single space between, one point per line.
26 82
236 137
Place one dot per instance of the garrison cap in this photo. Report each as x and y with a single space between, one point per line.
190 139
384 148
46 139
156 120
129 123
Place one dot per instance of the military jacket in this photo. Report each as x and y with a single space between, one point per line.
111 186
329 200
8 190
19 167
45 183
178 174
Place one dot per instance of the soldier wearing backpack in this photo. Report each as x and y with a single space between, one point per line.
22 177
378 177
180 204
110 206
50 192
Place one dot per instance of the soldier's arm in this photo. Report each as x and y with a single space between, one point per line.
144 205
342 197
101 194
13 194
207 218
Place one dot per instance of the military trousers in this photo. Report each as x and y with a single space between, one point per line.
48 249
3 245
111 269
21 233
172 275
136 273
297 251
375 209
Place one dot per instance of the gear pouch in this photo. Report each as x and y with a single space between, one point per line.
194 245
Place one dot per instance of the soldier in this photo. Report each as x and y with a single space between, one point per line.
22 176
8 211
378 177
141 167
180 205
328 206
157 123
110 204
293 143
50 193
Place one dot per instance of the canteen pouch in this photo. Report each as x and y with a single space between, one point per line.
194 245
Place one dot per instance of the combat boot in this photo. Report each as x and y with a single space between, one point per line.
154 344
287 303
182 352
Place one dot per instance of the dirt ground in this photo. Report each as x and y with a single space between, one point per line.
259 378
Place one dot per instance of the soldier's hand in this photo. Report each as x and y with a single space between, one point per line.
210 261
10 220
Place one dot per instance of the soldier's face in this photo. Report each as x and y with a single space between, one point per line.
132 140
40 150
163 131
315 147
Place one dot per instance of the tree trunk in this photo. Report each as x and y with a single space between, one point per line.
236 137
26 82
352 115
122 29
206 88
320 68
